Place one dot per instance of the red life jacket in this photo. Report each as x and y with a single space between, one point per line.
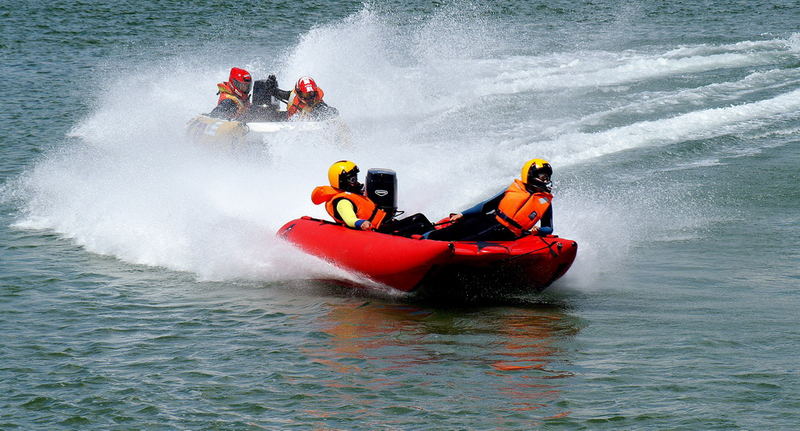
365 209
520 210
296 104
228 91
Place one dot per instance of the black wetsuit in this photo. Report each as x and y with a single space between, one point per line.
480 224
225 110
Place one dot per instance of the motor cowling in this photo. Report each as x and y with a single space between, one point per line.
264 92
382 190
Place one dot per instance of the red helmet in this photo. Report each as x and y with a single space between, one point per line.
241 79
306 88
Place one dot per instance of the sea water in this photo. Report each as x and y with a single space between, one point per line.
142 286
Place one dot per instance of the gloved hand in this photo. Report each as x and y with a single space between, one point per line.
364 225
272 81
545 230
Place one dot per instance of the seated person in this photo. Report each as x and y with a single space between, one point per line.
304 101
344 199
508 215
234 96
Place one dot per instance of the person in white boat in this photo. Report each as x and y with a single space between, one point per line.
234 96
305 101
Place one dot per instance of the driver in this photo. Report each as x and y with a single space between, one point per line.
234 96
510 214
344 199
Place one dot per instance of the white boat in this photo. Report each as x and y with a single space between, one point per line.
218 132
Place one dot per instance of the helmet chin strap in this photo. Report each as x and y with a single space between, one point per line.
537 186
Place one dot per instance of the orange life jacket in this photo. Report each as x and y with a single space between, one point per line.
227 91
365 208
297 104
520 209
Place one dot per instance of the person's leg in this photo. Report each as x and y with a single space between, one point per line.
411 225
495 232
463 229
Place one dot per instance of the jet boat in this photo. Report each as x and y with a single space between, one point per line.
408 262
411 264
219 132
266 119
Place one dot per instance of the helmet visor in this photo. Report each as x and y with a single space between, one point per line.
545 170
540 172
308 96
243 86
543 177
350 178
349 181
540 177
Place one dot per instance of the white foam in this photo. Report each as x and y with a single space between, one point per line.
793 42
605 70
134 189
578 147
649 103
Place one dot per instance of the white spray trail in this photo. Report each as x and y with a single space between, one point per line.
449 125
578 147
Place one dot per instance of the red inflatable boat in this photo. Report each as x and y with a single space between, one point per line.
470 268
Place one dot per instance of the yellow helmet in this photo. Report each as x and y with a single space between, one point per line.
340 174
536 173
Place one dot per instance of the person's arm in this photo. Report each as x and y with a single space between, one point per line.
485 206
546 222
347 211
282 95
225 110
271 89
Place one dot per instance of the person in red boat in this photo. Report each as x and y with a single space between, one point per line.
510 214
344 198
234 96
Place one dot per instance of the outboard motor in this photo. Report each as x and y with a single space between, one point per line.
263 94
382 189
265 106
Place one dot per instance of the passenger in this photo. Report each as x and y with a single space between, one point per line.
344 198
510 214
234 96
304 101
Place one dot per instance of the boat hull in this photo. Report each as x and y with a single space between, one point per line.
433 268
225 134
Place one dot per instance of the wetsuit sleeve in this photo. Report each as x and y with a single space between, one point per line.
282 94
546 222
485 206
347 212
547 217
225 110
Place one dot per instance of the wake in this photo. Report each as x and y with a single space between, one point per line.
455 128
